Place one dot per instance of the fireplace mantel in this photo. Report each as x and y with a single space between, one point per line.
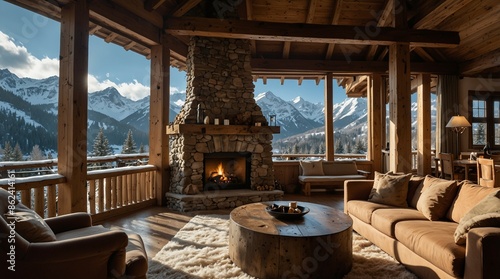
176 129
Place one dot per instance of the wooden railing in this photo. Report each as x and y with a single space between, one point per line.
279 157
110 191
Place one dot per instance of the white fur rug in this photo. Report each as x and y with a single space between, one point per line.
200 250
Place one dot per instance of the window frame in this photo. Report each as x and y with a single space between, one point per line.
489 98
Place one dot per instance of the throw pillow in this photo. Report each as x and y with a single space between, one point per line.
436 197
414 186
31 226
390 189
485 214
312 167
468 196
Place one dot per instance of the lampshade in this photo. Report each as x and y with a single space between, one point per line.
458 123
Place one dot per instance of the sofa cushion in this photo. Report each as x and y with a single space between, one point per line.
414 186
485 214
468 196
385 219
390 189
433 242
30 225
436 197
363 209
312 167
340 168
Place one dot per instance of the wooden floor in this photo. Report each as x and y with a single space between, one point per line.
157 225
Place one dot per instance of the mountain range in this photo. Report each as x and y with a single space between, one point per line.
34 103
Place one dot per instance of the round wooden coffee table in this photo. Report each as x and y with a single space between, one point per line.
317 245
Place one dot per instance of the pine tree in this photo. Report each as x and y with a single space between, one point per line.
101 145
480 134
36 153
142 149
129 144
17 155
7 152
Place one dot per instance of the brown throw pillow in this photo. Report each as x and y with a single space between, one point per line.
312 167
414 185
485 214
390 189
31 226
436 197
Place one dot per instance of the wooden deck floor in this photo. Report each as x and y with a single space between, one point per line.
157 225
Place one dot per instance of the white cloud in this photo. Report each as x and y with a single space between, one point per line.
19 61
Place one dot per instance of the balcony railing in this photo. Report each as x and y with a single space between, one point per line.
115 184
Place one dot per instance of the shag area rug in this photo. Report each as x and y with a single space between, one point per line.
200 250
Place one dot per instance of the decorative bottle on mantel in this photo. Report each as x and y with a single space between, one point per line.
206 120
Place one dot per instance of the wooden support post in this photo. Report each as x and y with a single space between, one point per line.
400 108
375 107
72 111
424 124
159 104
329 141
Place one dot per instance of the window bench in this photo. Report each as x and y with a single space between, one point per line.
328 174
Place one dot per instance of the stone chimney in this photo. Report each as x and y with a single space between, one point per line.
219 85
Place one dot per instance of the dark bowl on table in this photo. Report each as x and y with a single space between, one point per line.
281 212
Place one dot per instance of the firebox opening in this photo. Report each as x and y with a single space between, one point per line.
226 171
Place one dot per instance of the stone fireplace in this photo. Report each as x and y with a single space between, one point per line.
220 89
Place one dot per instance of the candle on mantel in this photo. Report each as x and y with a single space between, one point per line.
216 121
226 121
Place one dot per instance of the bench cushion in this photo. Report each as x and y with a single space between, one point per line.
340 168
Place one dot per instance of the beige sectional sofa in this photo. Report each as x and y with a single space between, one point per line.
421 222
329 174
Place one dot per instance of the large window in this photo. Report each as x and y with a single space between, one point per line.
484 115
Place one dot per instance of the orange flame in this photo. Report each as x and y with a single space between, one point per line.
220 169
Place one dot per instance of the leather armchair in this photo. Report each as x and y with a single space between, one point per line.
79 250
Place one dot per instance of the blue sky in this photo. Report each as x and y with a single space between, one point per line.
29 47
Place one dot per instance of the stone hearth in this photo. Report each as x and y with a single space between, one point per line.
219 86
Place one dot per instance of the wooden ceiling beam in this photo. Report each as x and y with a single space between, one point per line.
151 5
424 54
480 64
184 7
345 67
122 21
311 33
335 20
384 20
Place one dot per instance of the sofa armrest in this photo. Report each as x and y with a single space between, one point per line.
69 222
482 253
357 190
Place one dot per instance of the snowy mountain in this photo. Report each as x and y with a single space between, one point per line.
291 120
313 111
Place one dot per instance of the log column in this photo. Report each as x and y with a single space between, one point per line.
159 112
72 114
424 124
329 136
400 108
375 120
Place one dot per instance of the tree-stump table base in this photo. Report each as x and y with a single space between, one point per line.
318 245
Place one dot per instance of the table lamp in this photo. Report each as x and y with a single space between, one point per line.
458 124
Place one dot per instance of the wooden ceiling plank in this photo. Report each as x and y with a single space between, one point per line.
480 64
440 12
311 33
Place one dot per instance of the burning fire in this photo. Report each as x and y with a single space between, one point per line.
220 169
